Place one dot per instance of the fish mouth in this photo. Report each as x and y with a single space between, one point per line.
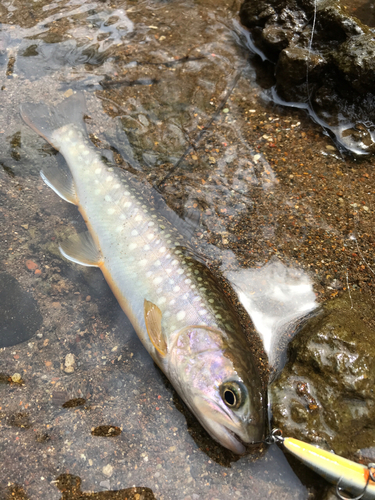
241 444
218 424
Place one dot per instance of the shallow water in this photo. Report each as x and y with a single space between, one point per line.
263 182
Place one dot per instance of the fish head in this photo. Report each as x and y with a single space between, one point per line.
221 385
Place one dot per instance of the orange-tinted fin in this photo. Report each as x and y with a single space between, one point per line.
153 317
61 182
81 249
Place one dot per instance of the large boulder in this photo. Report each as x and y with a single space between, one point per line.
325 394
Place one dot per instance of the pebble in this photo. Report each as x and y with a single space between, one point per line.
16 378
69 363
105 484
108 470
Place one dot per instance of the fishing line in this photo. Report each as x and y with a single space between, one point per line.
308 59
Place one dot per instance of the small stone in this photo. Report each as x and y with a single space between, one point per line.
16 378
108 470
88 298
31 265
69 363
68 93
162 38
226 110
105 484
25 226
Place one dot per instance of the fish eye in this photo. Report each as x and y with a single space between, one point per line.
233 394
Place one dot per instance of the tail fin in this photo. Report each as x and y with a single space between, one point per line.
45 120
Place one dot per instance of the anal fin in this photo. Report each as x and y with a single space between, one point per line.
81 249
61 182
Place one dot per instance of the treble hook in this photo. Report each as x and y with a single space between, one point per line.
371 475
276 436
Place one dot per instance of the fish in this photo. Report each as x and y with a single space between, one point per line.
349 476
174 301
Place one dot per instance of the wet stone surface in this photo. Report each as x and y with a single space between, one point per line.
325 394
325 62
183 109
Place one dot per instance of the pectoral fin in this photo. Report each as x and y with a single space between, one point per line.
81 249
153 317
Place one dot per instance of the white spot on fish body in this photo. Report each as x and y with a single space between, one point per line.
174 262
111 211
158 280
143 262
86 152
108 197
119 229
132 246
162 300
109 178
180 271
116 186
180 315
187 281
128 204
176 289
146 247
122 217
203 312
150 236
148 274
97 191
162 249
139 218
151 224
98 171
134 232
157 263
167 313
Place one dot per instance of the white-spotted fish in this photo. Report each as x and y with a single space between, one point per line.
174 302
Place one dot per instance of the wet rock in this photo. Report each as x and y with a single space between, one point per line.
19 420
70 487
73 403
326 51
106 431
325 393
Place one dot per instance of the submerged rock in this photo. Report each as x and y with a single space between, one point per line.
319 49
325 394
